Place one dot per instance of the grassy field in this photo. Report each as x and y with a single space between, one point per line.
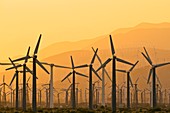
85 110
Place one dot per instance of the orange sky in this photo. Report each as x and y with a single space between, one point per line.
22 21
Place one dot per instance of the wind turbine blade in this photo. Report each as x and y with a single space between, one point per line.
107 74
28 87
119 70
5 64
112 46
123 83
139 90
109 93
96 82
62 66
136 80
158 81
150 73
63 89
72 63
28 80
97 56
130 81
144 78
68 80
147 58
6 84
12 79
8 93
96 74
81 66
11 61
28 51
69 87
45 63
67 76
42 66
147 55
162 64
94 56
105 85
14 67
10 68
123 61
104 64
27 56
81 74
45 84
19 59
29 70
37 46
133 66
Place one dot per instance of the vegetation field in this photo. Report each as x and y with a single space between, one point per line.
85 110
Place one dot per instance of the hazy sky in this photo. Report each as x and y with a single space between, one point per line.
21 21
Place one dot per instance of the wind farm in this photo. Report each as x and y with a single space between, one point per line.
84 56
127 96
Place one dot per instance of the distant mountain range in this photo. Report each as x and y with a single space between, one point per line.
128 43
144 34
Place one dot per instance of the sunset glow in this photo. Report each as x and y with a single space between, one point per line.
62 20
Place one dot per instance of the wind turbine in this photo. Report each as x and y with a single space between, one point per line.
136 92
47 94
94 90
143 97
120 93
81 96
73 79
28 89
40 96
66 95
12 96
77 95
0 95
85 96
20 97
3 85
153 73
97 90
169 98
25 69
163 97
103 78
8 99
128 81
5 64
157 93
35 61
113 59
51 79
17 82
58 97
91 70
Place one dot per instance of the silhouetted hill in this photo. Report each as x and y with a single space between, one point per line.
128 43
144 34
